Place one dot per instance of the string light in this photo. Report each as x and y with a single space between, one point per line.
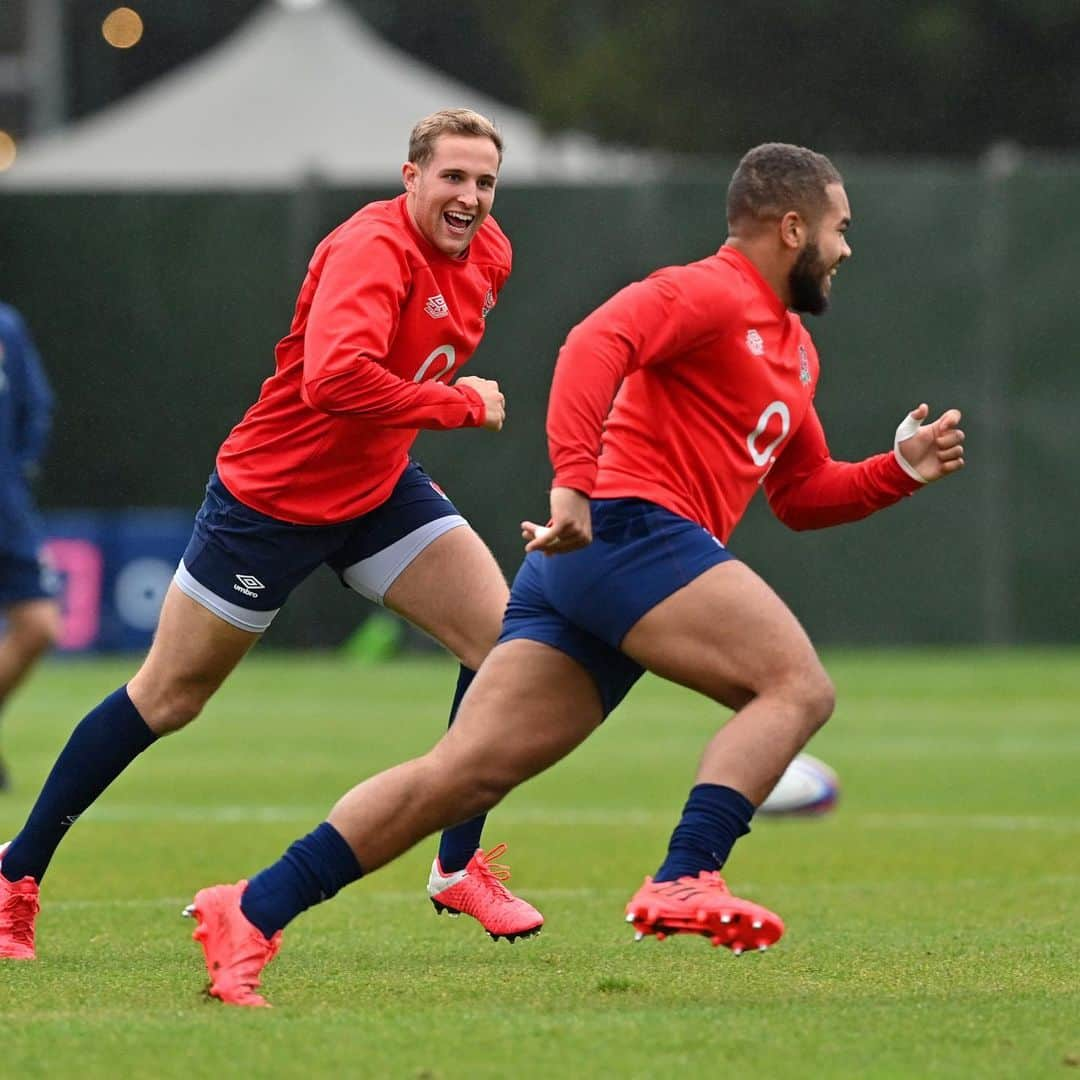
122 28
8 151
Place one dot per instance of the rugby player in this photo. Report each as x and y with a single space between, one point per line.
671 404
394 302
27 588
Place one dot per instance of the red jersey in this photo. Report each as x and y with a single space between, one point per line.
713 381
383 322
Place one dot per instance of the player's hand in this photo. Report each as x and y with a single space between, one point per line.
494 402
570 528
928 452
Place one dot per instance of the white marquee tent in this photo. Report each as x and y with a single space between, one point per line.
303 89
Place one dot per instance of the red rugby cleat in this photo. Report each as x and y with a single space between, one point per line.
19 906
236 952
478 890
702 905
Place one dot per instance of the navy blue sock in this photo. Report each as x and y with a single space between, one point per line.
713 818
104 743
311 871
458 845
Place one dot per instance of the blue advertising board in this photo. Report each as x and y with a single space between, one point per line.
113 570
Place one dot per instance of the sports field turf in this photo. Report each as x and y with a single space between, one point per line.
931 919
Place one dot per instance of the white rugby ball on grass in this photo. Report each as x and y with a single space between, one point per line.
807 787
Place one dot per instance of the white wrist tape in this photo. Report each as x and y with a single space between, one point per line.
908 426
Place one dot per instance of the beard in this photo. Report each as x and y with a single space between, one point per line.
807 282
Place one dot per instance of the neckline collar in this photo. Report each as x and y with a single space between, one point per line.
746 264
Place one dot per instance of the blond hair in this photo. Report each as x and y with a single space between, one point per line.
450 122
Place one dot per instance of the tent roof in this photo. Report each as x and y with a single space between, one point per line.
303 88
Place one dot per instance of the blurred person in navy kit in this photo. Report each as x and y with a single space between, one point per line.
31 615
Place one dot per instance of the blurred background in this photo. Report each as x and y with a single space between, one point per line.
166 169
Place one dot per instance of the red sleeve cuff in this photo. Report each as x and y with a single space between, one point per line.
900 481
579 477
479 413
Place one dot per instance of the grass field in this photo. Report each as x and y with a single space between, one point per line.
931 918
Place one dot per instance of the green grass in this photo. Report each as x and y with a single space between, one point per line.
931 919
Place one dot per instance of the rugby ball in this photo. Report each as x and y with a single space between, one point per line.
807 787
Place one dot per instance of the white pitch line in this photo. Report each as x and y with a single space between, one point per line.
865 747
620 893
572 817
272 815
1005 822
395 896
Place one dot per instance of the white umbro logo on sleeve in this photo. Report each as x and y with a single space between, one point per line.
247 585
436 306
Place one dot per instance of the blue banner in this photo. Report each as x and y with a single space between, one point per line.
113 570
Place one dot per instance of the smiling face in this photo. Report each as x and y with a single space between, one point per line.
449 196
810 278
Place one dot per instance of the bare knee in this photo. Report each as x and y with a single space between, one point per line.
804 694
816 695
35 628
168 705
491 786
471 644
468 787
484 788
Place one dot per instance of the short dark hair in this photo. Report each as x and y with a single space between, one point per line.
449 122
774 178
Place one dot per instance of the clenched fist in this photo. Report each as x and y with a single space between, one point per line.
494 402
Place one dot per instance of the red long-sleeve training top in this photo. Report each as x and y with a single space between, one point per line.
692 388
383 322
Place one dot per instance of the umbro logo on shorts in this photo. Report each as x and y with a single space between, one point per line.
247 585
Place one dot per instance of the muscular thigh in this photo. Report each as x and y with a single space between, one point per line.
527 708
192 654
725 634
453 590
416 555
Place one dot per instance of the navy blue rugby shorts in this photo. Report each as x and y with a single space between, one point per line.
242 565
586 602
24 577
